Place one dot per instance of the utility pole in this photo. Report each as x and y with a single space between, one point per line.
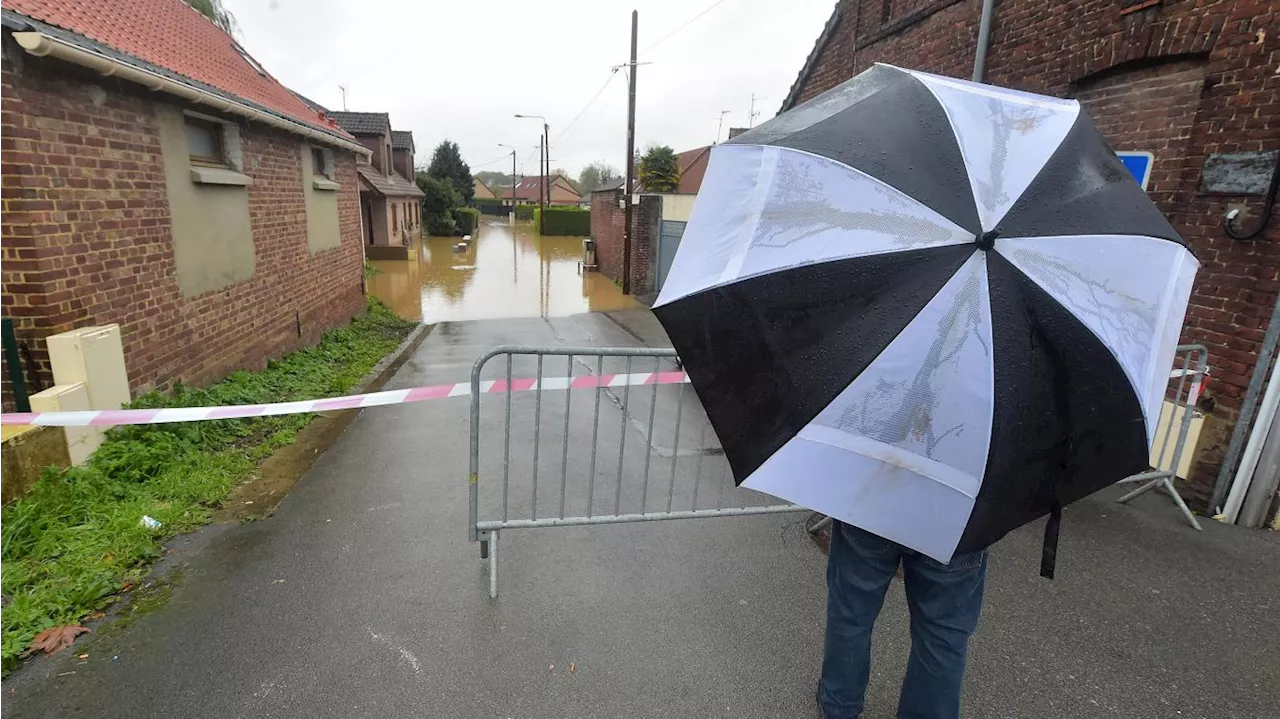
544 157
542 151
631 152
511 218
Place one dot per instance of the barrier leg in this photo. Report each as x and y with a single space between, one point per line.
1141 490
493 565
1182 506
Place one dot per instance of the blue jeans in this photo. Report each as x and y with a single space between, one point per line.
944 599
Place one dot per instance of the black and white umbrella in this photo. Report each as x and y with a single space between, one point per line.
933 309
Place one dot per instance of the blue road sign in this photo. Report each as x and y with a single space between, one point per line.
1139 164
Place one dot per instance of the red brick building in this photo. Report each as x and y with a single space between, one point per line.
607 220
1186 80
155 176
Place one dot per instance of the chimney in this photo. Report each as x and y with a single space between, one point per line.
735 131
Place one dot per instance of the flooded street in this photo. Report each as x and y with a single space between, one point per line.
496 276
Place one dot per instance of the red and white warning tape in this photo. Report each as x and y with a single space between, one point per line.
113 417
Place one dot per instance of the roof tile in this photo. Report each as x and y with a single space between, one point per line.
363 123
171 35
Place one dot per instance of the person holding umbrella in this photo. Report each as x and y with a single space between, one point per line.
935 311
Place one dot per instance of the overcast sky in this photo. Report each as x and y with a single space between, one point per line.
460 70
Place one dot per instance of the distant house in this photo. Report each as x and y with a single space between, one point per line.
529 189
390 204
482 190
157 177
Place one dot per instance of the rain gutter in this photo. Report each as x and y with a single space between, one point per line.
41 45
984 39
1253 451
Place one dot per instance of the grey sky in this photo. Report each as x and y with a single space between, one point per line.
446 69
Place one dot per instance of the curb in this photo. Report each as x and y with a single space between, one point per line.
258 497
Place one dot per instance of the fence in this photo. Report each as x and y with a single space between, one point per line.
616 436
1178 423
14 366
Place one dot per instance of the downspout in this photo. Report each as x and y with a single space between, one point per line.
984 38
1241 431
1253 450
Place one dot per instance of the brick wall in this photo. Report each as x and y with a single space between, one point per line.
1179 78
86 234
607 221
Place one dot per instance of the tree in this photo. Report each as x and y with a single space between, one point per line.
659 170
447 164
595 175
216 13
438 205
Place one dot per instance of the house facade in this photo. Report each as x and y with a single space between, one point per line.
165 182
390 203
1191 85
481 190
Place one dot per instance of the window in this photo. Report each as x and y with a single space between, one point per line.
395 223
318 164
204 142
249 59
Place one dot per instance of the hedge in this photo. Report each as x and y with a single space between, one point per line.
564 221
525 212
468 218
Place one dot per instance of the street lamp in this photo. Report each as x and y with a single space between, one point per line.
543 170
512 216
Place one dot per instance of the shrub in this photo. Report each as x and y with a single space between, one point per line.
440 224
525 212
467 219
565 221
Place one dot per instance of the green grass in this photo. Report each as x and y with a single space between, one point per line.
75 541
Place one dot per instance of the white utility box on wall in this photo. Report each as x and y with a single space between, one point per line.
94 356
81 441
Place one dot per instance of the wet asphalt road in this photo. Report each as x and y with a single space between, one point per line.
362 597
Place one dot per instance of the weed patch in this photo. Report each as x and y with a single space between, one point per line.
72 545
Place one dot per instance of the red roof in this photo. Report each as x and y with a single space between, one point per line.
529 188
171 35
693 165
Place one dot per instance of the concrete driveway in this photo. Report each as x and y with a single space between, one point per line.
361 597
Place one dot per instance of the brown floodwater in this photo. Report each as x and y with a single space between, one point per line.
497 275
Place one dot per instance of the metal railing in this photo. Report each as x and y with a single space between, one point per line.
1186 380
588 436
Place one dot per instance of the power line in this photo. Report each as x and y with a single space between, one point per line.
686 24
505 155
565 132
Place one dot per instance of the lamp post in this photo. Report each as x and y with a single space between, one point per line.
511 217
544 195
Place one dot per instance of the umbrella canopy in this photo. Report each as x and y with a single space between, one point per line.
930 308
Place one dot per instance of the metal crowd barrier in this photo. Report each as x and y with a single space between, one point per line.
623 448
1178 416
